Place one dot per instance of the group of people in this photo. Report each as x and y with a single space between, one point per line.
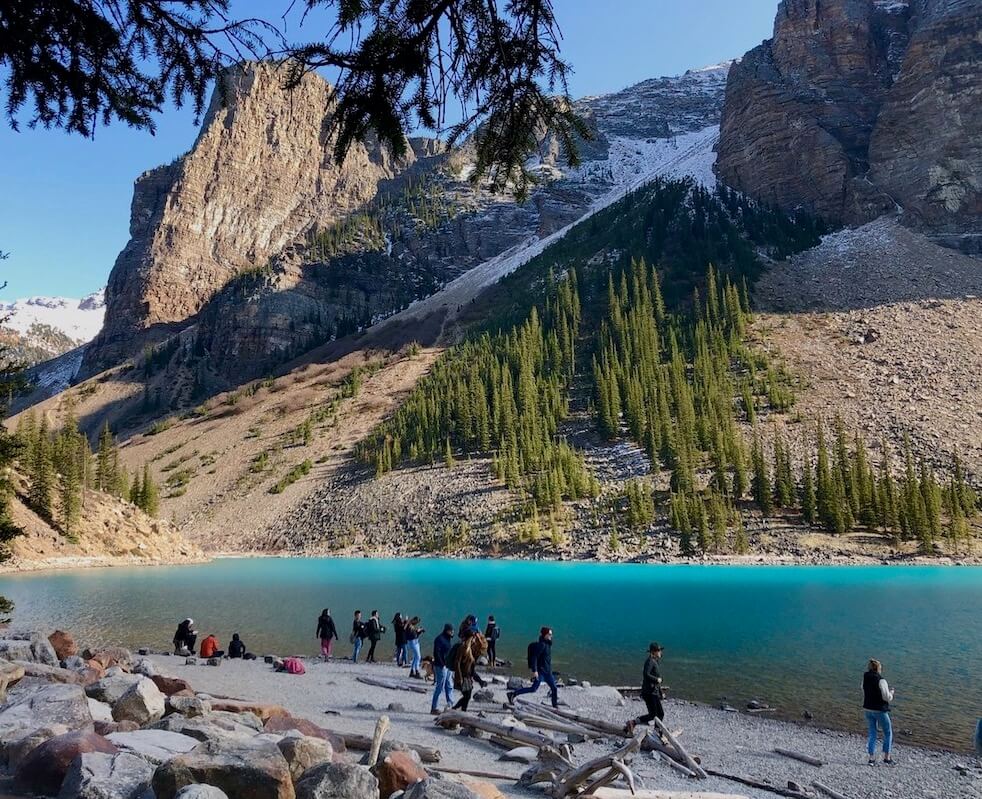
186 637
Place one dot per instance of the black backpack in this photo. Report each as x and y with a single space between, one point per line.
533 656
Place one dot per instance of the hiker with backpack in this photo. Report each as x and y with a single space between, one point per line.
357 637
491 634
540 664
327 631
442 673
412 633
373 630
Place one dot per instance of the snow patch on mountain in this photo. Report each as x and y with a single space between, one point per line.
80 320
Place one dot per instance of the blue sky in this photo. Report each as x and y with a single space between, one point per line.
64 203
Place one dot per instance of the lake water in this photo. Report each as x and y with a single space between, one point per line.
795 637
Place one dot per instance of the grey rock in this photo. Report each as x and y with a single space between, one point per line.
303 752
100 710
514 683
484 695
439 789
154 746
216 726
145 667
32 647
99 775
337 781
242 769
111 688
190 706
200 792
142 703
397 707
30 708
520 754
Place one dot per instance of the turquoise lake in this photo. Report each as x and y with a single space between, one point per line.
795 637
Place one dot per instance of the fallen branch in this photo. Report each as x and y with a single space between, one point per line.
570 781
604 727
362 743
811 761
556 725
828 791
686 757
762 786
676 765
524 736
392 685
487 775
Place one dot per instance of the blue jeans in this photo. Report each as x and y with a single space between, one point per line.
443 683
412 651
544 677
358 643
879 718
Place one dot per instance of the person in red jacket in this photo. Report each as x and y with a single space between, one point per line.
209 647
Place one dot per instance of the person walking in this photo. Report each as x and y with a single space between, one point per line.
651 688
399 630
412 633
357 636
877 697
540 664
327 631
442 673
373 630
491 634
463 661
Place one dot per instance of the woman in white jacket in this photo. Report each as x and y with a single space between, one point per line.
877 697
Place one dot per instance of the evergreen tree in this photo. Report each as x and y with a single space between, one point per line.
809 502
761 483
106 462
149 493
42 474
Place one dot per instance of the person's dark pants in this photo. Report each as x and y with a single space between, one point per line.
465 698
371 652
544 677
188 643
655 709
492 653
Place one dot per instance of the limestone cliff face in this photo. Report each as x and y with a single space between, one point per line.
258 176
859 107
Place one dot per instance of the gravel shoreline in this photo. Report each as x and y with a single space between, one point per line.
734 743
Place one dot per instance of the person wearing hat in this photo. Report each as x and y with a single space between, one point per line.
651 690
185 638
442 673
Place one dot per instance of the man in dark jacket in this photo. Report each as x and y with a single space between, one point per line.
540 664
373 631
651 690
327 631
492 633
442 672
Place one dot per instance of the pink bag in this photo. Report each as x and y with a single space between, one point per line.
294 666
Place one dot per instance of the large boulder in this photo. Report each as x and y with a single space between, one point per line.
242 769
10 674
98 775
213 727
338 781
32 707
188 705
142 703
302 753
155 746
112 687
100 710
47 673
109 657
200 792
431 788
18 750
30 646
285 723
170 686
44 769
63 644
144 666
398 771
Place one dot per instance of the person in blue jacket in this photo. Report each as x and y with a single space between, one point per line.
540 664
442 671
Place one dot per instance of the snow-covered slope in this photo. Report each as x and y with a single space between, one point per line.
78 320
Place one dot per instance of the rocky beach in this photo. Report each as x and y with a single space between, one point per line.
79 724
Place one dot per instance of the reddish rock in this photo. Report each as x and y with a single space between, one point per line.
44 769
109 657
397 772
261 709
285 723
63 644
172 686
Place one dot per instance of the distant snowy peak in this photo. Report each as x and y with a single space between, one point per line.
79 320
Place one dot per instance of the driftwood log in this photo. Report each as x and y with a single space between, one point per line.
523 735
392 685
762 786
362 743
565 779
830 792
381 727
680 767
686 757
811 761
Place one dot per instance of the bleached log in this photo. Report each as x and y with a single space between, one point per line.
523 735
569 782
831 792
392 685
381 727
605 727
811 761
686 757
681 768
761 786
362 743
486 775
556 725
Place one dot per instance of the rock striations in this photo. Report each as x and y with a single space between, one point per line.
258 176
859 107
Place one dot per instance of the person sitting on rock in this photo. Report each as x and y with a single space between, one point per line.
209 647
236 647
185 638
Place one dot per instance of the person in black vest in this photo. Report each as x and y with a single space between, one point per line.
540 664
327 631
877 697
373 631
651 689
492 633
